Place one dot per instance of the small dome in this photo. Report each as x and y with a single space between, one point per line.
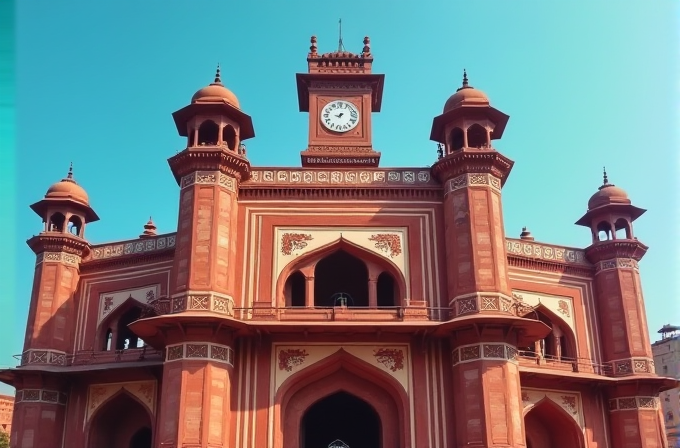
68 189
608 194
466 95
215 92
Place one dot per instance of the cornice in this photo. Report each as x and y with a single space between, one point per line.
209 159
607 250
59 242
473 160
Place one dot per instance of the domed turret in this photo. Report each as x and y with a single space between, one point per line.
610 211
466 96
65 207
215 93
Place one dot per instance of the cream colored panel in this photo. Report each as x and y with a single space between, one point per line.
563 307
567 400
109 301
98 394
391 359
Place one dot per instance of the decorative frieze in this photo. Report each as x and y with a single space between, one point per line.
40 396
482 303
546 252
634 403
43 357
57 257
632 366
201 301
341 177
209 178
617 263
489 351
139 246
200 350
470 180
325 85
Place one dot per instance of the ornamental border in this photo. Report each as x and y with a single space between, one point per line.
482 303
58 257
200 350
197 301
472 180
616 263
138 246
632 366
43 357
40 396
317 177
209 178
634 403
495 351
546 252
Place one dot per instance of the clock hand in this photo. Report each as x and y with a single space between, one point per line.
341 113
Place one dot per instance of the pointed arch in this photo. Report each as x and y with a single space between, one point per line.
208 133
375 263
342 372
117 420
547 424
570 346
477 136
229 136
112 321
456 138
56 222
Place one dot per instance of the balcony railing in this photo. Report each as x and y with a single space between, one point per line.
550 362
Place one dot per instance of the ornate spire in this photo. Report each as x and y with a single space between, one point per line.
605 179
70 171
312 48
367 46
149 229
465 82
218 79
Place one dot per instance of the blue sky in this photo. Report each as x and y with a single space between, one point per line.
586 84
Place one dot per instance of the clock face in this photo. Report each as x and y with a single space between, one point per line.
340 116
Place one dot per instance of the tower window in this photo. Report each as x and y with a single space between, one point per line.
75 225
477 137
56 222
229 137
208 133
457 140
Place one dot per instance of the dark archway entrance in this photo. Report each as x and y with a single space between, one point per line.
340 416
121 423
548 425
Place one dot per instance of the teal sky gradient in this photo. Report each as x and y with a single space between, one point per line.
586 84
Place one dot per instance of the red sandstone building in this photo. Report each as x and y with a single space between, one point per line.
6 410
339 302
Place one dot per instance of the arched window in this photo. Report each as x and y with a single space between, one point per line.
75 226
341 276
622 227
387 291
56 223
604 231
295 290
126 339
477 137
457 140
208 133
121 422
229 137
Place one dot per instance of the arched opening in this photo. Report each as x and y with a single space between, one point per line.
141 439
622 227
75 226
343 417
477 137
121 423
229 137
208 133
559 345
457 140
341 278
604 231
548 426
126 339
56 223
387 293
108 341
295 289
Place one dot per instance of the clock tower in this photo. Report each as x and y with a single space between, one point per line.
340 93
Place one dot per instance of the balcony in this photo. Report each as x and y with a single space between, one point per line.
51 358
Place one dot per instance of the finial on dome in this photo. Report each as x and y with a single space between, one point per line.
367 46
218 79
312 48
465 78
526 235
605 179
149 229
70 171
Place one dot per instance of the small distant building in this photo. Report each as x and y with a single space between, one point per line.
6 411
667 361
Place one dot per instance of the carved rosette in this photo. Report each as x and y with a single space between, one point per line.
484 351
195 301
43 357
40 396
291 242
634 403
291 357
617 263
388 243
631 366
392 358
200 350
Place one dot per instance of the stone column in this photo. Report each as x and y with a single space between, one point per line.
39 413
634 420
488 411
